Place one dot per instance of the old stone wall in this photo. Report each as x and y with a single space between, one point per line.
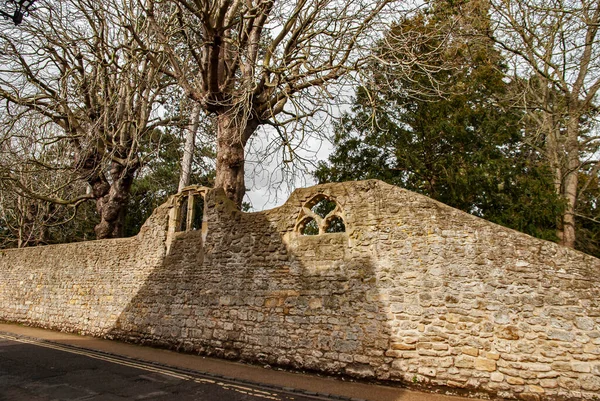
81 287
412 290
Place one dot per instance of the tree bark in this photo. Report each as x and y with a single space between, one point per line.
111 201
188 150
567 233
232 136
553 151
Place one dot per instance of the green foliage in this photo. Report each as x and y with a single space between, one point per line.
310 228
588 216
323 207
464 148
335 225
159 177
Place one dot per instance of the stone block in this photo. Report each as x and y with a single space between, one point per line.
560 335
470 351
549 383
561 366
568 383
517 381
454 383
535 389
585 323
430 372
484 364
497 377
402 346
464 361
581 367
590 382
537 367
361 371
508 333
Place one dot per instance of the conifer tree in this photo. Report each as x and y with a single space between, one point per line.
464 147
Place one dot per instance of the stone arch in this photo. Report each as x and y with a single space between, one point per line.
334 224
325 212
308 226
186 212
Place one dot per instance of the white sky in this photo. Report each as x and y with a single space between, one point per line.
267 188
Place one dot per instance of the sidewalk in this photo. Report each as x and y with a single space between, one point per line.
304 382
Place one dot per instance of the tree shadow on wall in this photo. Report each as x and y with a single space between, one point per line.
258 290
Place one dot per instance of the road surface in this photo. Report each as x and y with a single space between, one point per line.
33 370
134 372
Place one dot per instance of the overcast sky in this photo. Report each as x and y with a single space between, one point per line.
268 187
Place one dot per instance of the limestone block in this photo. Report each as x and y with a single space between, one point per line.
590 382
464 361
488 365
497 377
581 367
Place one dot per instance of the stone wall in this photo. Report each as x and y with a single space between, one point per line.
413 291
81 287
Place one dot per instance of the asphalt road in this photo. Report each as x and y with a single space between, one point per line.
33 370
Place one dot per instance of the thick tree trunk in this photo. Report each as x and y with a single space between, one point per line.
188 150
232 136
111 202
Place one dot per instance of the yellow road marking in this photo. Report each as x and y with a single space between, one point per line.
148 368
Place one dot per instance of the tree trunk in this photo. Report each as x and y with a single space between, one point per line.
554 153
570 183
188 150
232 136
23 234
568 235
111 202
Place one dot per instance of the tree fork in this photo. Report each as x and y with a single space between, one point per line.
112 205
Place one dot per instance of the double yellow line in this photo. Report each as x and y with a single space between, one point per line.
148 367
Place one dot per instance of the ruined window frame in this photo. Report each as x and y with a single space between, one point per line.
308 214
188 196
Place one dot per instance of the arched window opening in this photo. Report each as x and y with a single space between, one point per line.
335 225
183 213
187 213
323 207
198 212
190 213
309 227
321 215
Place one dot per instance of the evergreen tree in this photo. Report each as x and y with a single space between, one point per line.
463 148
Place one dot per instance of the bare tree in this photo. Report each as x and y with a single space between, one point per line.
555 44
263 62
29 159
189 147
77 64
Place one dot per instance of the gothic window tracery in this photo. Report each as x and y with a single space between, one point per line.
321 215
